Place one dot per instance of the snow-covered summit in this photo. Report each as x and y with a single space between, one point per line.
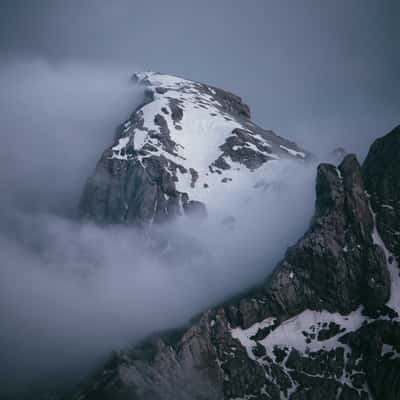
195 140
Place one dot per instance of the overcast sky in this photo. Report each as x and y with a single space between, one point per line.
319 72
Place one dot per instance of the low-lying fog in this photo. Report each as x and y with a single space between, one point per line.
72 292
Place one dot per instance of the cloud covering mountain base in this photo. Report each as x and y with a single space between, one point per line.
71 292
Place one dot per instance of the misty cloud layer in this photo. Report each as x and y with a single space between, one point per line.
55 122
72 292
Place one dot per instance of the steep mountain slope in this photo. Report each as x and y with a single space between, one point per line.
325 324
182 151
382 180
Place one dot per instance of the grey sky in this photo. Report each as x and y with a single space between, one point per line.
319 72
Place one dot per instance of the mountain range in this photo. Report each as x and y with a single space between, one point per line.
323 325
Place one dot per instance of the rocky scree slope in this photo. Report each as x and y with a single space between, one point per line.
324 325
184 147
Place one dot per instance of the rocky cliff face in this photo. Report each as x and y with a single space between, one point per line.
325 324
178 151
382 181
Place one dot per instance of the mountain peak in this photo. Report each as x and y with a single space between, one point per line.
153 78
193 91
185 144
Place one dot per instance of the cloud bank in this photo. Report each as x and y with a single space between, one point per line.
72 292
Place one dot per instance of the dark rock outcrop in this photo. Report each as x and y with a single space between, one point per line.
377 347
382 181
335 266
131 193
